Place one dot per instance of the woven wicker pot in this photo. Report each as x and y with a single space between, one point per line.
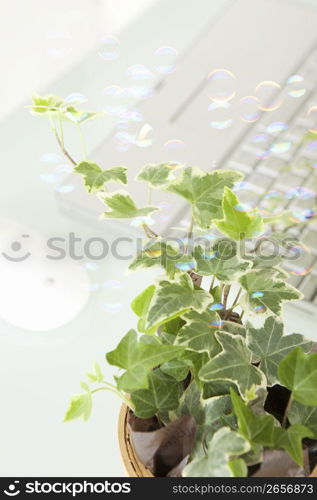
133 467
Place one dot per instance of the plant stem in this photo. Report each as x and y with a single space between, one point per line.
226 292
288 407
148 231
112 389
150 195
212 283
233 304
63 148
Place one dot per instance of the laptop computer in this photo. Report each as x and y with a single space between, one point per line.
243 97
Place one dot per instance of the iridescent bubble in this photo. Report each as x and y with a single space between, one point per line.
260 309
185 265
117 100
75 98
220 119
65 188
174 144
276 128
216 307
144 219
113 307
268 93
244 207
242 186
311 147
303 216
59 45
312 115
217 323
56 175
221 85
163 204
249 109
295 86
280 147
256 295
300 193
301 271
261 142
112 284
273 203
164 60
141 81
109 48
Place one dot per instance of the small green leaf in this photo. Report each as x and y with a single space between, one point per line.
204 191
158 253
224 446
122 206
233 365
198 333
138 359
238 224
238 467
264 430
95 375
174 298
45 105
221 261
95 178
140 306
270 347
266 292
155 175
79 407
162 394
305 415
298 372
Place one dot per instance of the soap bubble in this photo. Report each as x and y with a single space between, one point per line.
109 49
221 85
262 143
249 109
164 60
280 147
216 307
276 128
174 144
256 295
116 100
141 81
259 309
295 87
75 98
312 115
185 265
65 188
300 193
268 95
217 323
220 119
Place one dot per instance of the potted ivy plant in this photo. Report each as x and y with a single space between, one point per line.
207 388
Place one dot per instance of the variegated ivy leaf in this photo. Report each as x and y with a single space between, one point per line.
160 253
56 107
234 365
225 446
138 359
305 415
177 368
95 178
122 206
264 430
266 292
236 223
174 298
210 414
198 333
140 305
156 175
270 346
298 372
221 261
162 395
204 191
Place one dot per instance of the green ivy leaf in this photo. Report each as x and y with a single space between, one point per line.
122 206
177 369
305 415
204 191
138 359
237 224
56 107
221 261
159 253
264 430
140 306
298 372
174 298
79 407
270 347
224 446
233 365
95 375
95 178
266 292
198 333
162 395
155 175
45 105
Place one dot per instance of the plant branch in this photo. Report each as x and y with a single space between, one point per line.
226 292
112 389
66 153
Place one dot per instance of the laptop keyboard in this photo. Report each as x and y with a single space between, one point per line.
280 169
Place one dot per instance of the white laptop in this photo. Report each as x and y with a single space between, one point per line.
264 54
